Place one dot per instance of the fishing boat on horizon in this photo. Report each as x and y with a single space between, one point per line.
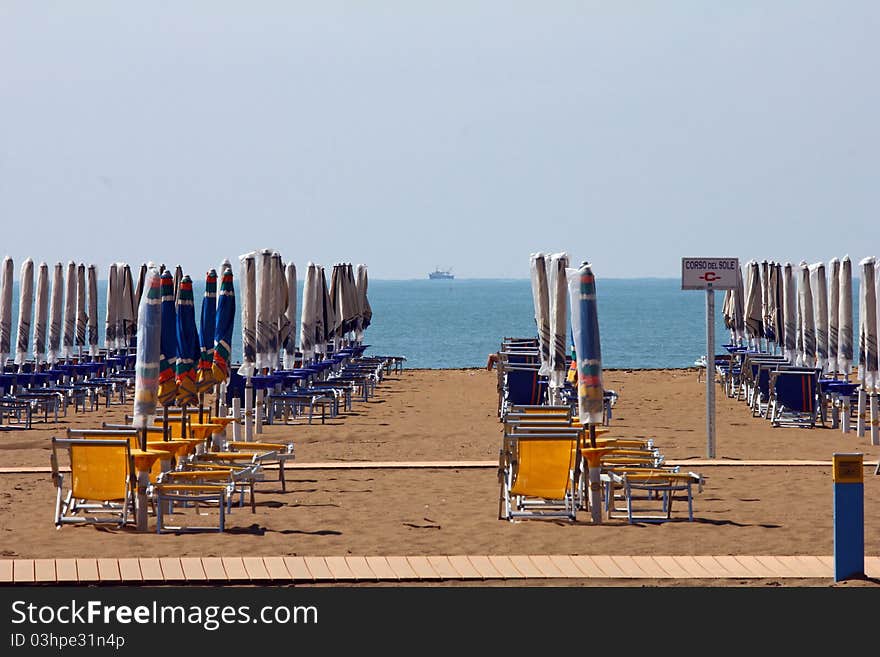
441 274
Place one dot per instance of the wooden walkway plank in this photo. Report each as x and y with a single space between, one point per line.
545 566
608 566
715 569
525 566
789 566
23 570
650 567
872 567
813 566
379 565
443 567
629 565
757 568
734 567
505 566
214 570
255 569
422 567
44 570
360 568
464 567
565 564
318 567
151 571
87 570
130 570
192 569
401 567
276 569
65 570
298 570
108 570
171 569
588 567
235 570
340 569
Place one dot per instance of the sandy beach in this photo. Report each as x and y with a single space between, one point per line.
450 415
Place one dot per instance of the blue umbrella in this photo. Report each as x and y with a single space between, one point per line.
585 331
225 322
149 340
206 336
168 342
188 349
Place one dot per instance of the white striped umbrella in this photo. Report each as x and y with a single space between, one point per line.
308 316
67 338
819 287
288 332
248 314
753 313
25 311
127 324
366 308
279 307
789 314
326 313
868 355
541 303
110 319
833 312
558 289
806 319
41 314
267 315
94 350
6 311
56 309
82 319
845 319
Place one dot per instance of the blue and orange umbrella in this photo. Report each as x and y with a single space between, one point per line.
149 340
224 324
188 349
205 379
168 341
588 351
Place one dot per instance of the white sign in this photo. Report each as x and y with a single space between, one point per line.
709 273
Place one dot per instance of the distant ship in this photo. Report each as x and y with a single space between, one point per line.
441 274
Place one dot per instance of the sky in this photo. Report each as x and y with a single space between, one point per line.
465 135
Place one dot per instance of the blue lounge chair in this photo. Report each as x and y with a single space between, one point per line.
794 397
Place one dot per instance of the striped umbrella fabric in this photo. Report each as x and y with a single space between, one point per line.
819 287
558 295
187 345
288 323
308 317
278 285
248 314
79 338
587 347
167 341
25 311
41 314
69 335
789 313
224 325
127 326
338 303
178 276
139 289
354 302
766 320
149 352
366 308
267 316
753 312
326 314
541 301
806 319
94 349
845 319
208 328
6 311
778 316
833 312
56 308
869 367
110 317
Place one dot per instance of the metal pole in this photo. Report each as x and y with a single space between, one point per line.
710 373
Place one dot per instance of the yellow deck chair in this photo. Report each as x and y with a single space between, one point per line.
538 474
101 485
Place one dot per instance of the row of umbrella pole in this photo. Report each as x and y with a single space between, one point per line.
176 362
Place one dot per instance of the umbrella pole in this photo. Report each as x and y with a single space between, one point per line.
248 410
201 404
165 435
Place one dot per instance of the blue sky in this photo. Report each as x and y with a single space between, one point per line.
458 134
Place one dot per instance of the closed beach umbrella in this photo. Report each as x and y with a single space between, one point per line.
188 349
267 317
351 293
833 312
139 289
789 313
337 301
110 321
366 308
167 341
806 319
541 301
588 352
778 316
766 325
224 326
558 288
207 330
56 308
248 287
845 319
308 316
69 335
25 311
178 276
149 351
127 330
79 338
41 314
771 310
868 354
819 286
288 332
94 349
753 312
6 311
279 307
326 315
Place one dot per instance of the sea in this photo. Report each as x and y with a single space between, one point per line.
645 323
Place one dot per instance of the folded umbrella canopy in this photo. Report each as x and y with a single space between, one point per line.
139 290
6 311
308 319
833 312
354 302
208 328
789 314
267 314
127 331
56 308
541 300
69 335
279 308
326 314
25 311
819 287
41 314
558 289
149 352
188 350
766 324
167 342
111 322
224 326
753 313
287 331
248 289
845 319
178 276
366 308
94 350
79 338
806 319
869 367
588 352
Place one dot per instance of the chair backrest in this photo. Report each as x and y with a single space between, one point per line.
131 435
543 464
795 390
100 469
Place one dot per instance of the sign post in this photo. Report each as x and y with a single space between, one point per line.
709 274
849 516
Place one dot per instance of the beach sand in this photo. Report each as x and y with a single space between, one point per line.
450 415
